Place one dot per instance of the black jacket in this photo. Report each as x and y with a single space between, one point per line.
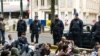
57 26
21 26
76 25
96 28
35 27
22 40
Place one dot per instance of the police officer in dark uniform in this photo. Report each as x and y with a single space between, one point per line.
76 29
96 30
34 29
57 28
21 27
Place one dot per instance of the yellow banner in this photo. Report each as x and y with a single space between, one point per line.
48 23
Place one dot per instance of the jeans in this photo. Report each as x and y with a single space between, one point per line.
2 37
24 47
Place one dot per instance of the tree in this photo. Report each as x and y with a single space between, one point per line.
52 10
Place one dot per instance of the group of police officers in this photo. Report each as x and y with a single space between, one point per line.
57 27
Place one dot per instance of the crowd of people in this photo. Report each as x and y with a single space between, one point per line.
65 46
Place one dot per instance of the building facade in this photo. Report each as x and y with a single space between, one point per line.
88 9
11 8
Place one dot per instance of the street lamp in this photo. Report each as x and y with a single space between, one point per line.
2 8
52 9
21 8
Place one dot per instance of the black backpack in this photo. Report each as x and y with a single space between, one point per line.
57 26
76 25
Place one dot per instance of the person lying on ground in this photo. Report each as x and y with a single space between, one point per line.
65 42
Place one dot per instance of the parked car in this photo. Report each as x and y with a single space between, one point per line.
87 40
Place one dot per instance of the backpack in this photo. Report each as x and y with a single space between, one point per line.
76 25
21 24
57 26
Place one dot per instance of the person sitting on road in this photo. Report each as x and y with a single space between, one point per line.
95 50
23 43
9 42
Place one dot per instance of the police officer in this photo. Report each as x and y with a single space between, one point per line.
57 28
76 28
35 28
21 27
96 30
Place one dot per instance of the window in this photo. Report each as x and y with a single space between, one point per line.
16 0
37 2
11 0
36 13
48 2
42 2
62 15
3 0
56 2
69 3
62 3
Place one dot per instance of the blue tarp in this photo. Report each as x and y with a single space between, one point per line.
30 21
43 22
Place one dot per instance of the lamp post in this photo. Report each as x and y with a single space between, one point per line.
2 8
21 8
52 9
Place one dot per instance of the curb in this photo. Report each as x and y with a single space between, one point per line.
54 47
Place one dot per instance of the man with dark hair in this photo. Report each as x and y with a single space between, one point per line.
35 28
2 31
57 28
21 27
23 43
96 30
76 29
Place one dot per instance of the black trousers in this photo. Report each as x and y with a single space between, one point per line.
36 35
77 38
56 38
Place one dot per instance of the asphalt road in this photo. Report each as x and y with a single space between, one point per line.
43 38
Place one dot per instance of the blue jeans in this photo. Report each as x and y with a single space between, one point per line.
24 47
2 36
